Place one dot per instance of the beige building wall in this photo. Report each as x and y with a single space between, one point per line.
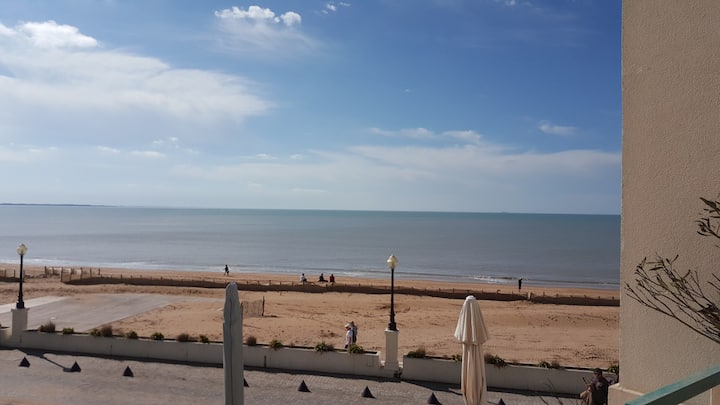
671 157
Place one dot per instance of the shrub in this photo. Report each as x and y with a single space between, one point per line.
251 340
68 331
204 339
555 364
544 364
324 347
48 326
157 336
131 335
106 331
495 360
355 349
418 353
614 368
456 357
185 337
275 344
95 332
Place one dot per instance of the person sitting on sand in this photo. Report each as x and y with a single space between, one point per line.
322 278
332 278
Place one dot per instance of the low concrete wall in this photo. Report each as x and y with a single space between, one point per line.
512 376
339 362
516 377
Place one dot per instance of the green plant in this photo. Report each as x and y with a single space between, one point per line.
544 364
157 336
679 295
275 344
495 360
614 368
251 340
106 331
355 349
418 353
68 331
185 337
131 335
324 347
95 332
204 339
48 326
456 357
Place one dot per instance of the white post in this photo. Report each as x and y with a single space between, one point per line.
19 323
391 349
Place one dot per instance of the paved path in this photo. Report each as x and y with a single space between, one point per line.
49 380
87 311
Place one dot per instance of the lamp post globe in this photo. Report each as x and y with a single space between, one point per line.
21 250
392 263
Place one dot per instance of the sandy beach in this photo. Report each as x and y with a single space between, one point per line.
521 331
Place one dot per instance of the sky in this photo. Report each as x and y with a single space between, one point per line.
409 105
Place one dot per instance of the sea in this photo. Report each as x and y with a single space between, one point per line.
499 248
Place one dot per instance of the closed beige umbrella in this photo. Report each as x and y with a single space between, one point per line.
472 333
233 347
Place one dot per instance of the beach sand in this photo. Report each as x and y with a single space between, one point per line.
520 331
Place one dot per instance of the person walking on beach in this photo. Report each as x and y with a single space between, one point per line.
303 279
520 284
354 329
332 279
348 335
227 270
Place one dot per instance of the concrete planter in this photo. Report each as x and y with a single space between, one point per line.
304 359
5 334
367 364
431 369
511 376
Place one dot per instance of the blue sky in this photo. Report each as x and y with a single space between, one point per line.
414 105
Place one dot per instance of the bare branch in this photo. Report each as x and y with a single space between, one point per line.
660 287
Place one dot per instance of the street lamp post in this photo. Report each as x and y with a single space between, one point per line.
21 250
392 262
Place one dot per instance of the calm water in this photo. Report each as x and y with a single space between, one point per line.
563 250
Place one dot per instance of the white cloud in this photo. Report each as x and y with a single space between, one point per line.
49 34
413 133
260 30
87 92
260 15
147 154
550 129
466 136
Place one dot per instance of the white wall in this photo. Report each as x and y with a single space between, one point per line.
671 157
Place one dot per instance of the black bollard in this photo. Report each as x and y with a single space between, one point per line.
128 372
501 402
303 387
366 393
75 368
433 400
245 384
24 362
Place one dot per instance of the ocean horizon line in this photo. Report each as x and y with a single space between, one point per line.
82 205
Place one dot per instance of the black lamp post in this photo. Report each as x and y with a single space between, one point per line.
21 250
392 262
